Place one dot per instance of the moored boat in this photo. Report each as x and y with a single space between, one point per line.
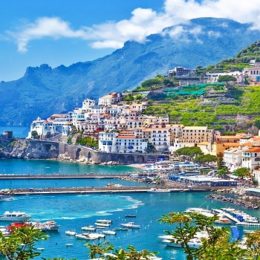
130 225
14 216
109 232
70 233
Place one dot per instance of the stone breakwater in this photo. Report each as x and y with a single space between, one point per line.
39 149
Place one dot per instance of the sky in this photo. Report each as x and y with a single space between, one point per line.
58 32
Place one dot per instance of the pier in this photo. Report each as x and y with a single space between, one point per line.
89 190
60 176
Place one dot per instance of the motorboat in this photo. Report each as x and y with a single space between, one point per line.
131 225
45 226
130 216
89 228
109 232
93 236
104 221
14 216
70 233
99 224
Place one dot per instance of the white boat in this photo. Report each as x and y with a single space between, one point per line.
109 232
104 221
81 236
89 228
70 233
40 248
69 245
45 226
93 236
131 225
14 216
99 224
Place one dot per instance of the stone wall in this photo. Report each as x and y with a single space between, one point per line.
39 149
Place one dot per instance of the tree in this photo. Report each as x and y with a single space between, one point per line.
207 158
35 135
242 172
20 244
222 171
106 251
226 78
217 244
189 151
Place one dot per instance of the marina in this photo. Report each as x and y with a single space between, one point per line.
75 213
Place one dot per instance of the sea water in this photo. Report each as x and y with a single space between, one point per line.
72 212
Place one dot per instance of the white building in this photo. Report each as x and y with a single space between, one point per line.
232 158
213 77
251 158
123 142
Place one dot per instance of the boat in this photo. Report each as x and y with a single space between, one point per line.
81 236
89 228
130 216
14 216
99 224
241 216
93 236
109 232
131 225
40 248
70 233
104 221
45 226
69 245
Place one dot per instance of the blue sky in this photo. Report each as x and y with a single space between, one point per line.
67 31
14 13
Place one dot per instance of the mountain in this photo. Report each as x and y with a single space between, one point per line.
44 90
240 61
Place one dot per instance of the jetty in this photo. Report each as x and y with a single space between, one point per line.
88 190
60 176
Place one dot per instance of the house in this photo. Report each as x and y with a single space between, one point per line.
251 158
232 158
253 73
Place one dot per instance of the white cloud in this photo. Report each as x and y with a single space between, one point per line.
142 23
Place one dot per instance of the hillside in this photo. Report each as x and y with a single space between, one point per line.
240 61
44 90
222 106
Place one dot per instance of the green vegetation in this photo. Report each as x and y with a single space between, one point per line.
237 63
226 78
217 246
87 141
20 244
242 172
206 158
189 151
107 251
190 110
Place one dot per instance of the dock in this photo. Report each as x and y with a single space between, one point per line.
88 190
60 176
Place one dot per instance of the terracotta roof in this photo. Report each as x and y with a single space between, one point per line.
253 150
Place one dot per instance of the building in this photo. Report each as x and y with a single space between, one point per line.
233 158
214 77
251 158
122 142
110 99
253 73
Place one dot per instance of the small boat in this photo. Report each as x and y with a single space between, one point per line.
40 248
99 224
130 216
109 232
14 216
131 225
93 236
70 233
104 221
89 228
45 226
69 245
81 236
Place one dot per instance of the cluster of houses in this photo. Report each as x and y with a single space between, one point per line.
187 76
121 127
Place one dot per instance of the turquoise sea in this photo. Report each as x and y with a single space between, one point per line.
74 211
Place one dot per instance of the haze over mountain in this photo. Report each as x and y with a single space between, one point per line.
43 90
